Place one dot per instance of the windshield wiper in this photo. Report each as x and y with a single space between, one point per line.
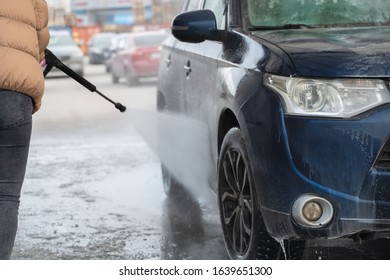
281 27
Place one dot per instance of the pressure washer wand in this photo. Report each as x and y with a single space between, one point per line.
53 61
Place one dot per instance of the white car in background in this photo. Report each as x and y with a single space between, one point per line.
63 46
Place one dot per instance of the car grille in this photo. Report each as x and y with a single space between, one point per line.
383 160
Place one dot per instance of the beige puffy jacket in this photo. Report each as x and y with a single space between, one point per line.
23 39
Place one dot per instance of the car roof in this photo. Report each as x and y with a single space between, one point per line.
59 32
104 34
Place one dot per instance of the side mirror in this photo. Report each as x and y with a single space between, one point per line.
196 27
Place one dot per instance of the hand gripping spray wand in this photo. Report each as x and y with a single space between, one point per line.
53 61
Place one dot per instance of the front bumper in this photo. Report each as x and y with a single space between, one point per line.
77 65
146 68
97 57
58 73
331 158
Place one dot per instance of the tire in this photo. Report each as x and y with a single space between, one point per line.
295 249
245 234
132 81
172 188
114 78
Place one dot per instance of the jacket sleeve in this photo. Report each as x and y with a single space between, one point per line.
42 18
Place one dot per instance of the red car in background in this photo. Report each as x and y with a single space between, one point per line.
139 58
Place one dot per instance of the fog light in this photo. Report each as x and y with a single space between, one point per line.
312 211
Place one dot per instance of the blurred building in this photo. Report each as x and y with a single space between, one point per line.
58 11
111 14
84 18
165 10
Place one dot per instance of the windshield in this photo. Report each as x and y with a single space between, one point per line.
275 13
102 40
61 40
149 40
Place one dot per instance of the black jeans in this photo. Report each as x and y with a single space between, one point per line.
15 134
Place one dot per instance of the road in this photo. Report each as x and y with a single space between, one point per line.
93 186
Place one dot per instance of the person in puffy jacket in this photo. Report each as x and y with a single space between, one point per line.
23 38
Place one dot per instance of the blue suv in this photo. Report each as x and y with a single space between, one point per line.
295 98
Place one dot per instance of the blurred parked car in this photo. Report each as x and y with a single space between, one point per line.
98 44
118 42
295 97
139 58
62 45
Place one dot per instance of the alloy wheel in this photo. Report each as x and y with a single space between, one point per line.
245 233
236 201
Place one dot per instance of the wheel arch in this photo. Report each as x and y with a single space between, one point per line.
161 103
227 121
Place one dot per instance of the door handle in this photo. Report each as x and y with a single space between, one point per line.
187 68
168 61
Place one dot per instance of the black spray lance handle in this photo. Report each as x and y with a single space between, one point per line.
53 61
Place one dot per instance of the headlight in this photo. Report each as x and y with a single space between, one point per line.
341 98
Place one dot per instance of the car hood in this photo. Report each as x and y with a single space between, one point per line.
65 50
353 52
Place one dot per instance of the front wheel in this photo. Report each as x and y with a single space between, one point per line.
245 234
